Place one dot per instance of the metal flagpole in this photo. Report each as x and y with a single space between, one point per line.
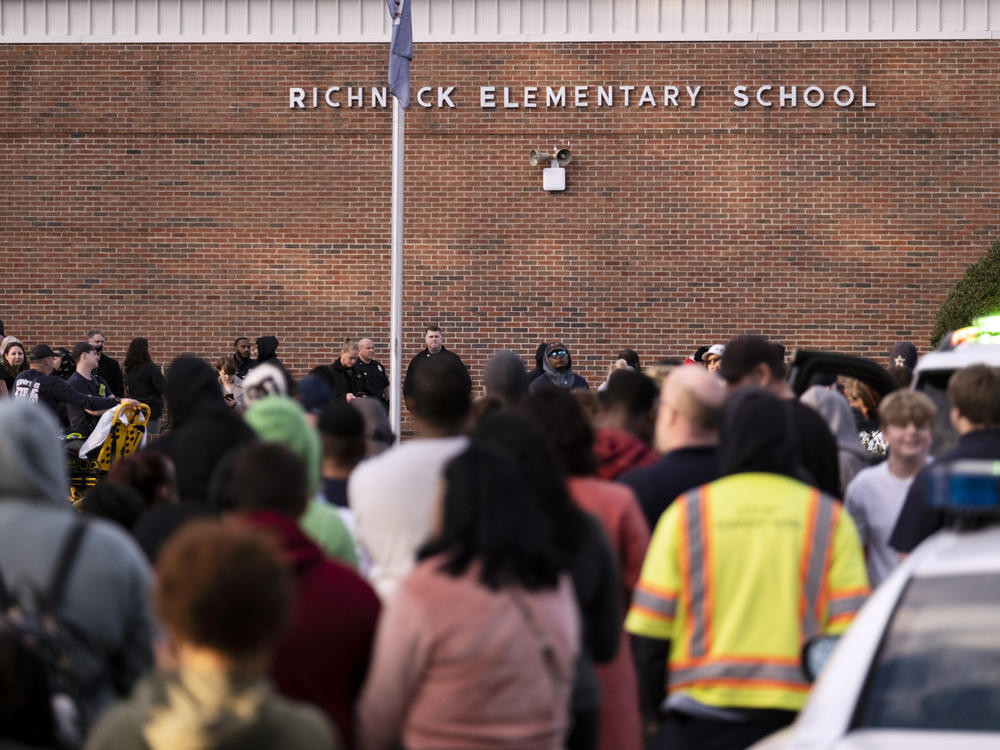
396 273
400 54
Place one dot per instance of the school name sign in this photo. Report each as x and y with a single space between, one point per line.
579 97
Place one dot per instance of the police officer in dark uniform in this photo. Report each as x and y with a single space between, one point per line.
434 348
375 382
342 375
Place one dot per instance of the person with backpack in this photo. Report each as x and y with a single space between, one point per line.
89 575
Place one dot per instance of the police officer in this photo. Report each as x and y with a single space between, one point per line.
434 349
375 382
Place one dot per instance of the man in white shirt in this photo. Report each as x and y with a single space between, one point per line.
394 496
875 496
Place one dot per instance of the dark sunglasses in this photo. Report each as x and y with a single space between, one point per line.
558 353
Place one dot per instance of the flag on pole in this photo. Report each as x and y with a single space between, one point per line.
400 51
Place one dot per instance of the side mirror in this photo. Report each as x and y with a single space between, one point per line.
815 654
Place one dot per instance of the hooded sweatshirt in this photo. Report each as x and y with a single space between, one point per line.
323 656
566 379
838 415
203 428
106 596
538 371
280 419
757 435
267 347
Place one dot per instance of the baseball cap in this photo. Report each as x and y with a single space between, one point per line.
719 350
82 347
903 354
40 352
314 394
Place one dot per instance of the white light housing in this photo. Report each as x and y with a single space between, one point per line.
554 178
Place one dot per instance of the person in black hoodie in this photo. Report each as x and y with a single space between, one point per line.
267 346
344 379
203 428
539 359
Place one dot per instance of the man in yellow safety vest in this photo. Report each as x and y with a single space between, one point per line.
739 574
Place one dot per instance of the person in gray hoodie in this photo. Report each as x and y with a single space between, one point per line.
557 368
835 409
105 598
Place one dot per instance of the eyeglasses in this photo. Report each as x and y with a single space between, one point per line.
558 353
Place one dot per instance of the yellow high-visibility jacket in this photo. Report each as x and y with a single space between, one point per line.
739 573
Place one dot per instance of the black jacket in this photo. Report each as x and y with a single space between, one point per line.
267 348
109 369
918 519
147 384
242 368
539 356
203 429
422 356
342 380
674 474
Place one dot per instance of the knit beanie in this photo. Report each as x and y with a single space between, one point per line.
279 419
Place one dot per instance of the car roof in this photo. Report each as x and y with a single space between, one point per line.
960 553
959 357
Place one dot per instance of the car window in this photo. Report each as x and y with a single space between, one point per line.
938 667
934 383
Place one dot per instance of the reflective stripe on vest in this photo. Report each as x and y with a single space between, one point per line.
845 605
698 588
739 671
660 604
815 556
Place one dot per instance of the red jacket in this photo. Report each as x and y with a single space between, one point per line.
618 451
323 656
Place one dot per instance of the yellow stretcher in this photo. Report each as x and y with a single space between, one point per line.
125 436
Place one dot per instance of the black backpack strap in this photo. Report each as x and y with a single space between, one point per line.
5 600
57 583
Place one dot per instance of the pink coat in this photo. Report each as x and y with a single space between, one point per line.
617 508
457 665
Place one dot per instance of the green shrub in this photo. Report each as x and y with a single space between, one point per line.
976 293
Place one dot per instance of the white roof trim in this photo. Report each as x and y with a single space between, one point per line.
495 21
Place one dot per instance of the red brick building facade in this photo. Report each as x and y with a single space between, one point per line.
170 191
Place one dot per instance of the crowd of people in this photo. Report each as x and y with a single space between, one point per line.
541 566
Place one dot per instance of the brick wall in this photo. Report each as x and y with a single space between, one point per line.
168 191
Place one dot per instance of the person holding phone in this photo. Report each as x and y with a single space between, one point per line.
232 385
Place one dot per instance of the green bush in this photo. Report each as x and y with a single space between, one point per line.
976 293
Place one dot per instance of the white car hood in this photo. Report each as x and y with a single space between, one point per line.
899 739
885 739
